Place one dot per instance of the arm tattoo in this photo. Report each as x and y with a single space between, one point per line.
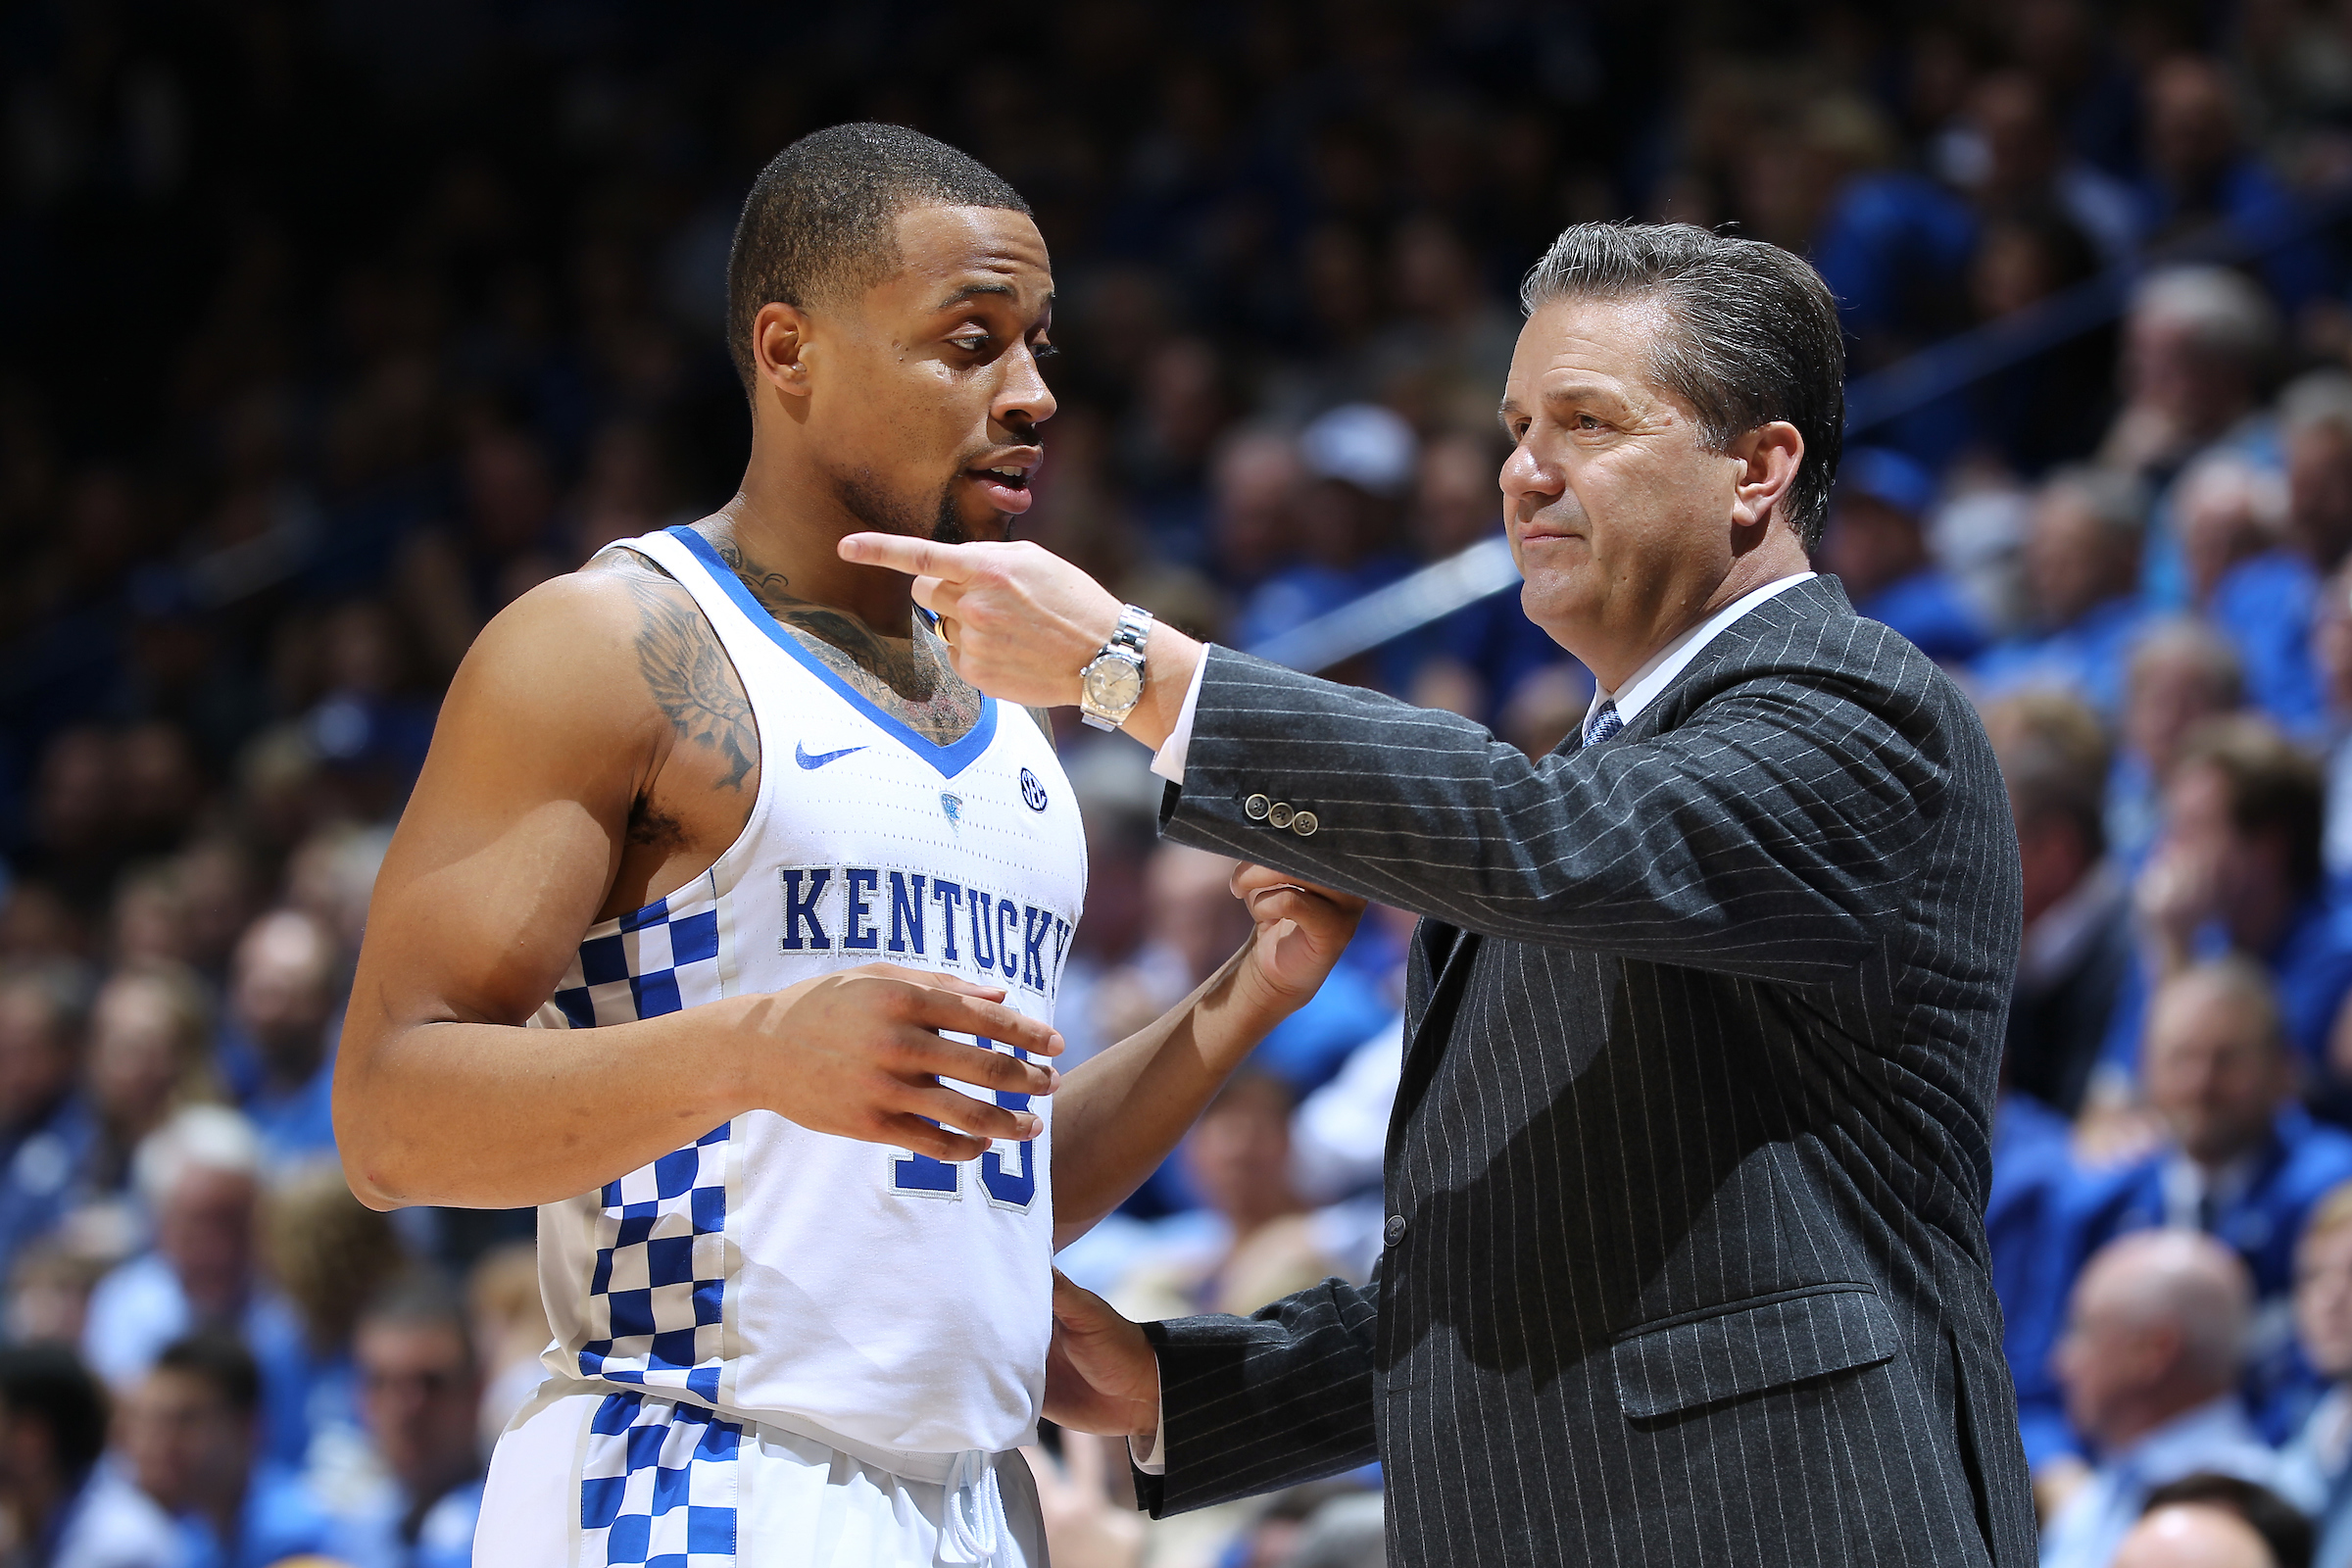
689 675
911 681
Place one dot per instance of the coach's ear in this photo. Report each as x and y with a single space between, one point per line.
780 348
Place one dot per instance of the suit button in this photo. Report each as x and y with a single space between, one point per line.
1305 824
1255 807
1281 816
1394 1231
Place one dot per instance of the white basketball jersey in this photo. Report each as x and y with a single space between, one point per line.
771 1270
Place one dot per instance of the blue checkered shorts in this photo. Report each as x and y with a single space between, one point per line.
657 1484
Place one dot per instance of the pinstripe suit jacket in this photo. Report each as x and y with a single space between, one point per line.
1686 1175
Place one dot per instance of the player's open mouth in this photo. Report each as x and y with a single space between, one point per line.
1004 484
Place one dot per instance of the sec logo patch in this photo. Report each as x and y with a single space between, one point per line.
1032 791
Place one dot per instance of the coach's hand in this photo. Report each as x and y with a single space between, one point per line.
1021 622
860 1054
1100 1372
1302 931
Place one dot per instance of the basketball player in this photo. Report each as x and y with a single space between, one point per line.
724 925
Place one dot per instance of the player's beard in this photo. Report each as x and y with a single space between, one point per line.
865 501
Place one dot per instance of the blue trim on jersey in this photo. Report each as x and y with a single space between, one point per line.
949 760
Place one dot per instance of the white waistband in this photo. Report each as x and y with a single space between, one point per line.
931 1468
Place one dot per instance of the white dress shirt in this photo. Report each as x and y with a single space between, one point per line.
1639 690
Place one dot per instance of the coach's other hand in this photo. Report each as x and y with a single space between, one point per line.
1100 1372
1020 623
862 1053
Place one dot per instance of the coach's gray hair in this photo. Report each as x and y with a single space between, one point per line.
1755 336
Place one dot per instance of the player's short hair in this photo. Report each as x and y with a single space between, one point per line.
821 219
1755 336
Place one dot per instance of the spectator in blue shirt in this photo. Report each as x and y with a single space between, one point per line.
2182 674
46 1131
2083 575
2237 869
200 1177
2199 172
2322 1446
2197 350
1877 547
194 1443
2245 1165
420 1393
2033 1176
67 1507
2257 592
282 1003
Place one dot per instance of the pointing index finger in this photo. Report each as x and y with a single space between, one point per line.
917 557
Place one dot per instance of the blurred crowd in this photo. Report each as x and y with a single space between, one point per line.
325 330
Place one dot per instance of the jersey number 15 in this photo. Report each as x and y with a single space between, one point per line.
921 1176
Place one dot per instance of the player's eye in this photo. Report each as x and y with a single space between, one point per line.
970 342
1044 351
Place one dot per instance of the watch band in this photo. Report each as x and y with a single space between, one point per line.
1126 647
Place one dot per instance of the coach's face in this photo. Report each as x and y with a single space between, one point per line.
1624 522
924 394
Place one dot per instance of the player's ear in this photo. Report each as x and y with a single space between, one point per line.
779 347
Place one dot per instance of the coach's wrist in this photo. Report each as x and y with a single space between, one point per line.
1170 659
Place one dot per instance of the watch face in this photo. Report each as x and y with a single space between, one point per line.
1112 685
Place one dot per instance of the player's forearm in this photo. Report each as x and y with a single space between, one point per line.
481 1116
1119 1114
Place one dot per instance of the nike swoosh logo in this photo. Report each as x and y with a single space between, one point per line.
800 754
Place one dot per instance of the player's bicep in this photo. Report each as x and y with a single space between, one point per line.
514 832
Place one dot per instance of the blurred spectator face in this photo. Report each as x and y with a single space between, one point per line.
2229 511
509 495
36 1053
2193 1536
2331 640
420 1397
2247 872
2075 561
1454 505
2169 367
2319 492
1191 910
160 784
2176 683
2191 125
1239 1155
2013 267
218 883
282 991
76 797
138 1043
1870 544
2153 1329
2020 148
204 1228
2323 1298
1257 481
187 1447
2215 1071
152 920
361 650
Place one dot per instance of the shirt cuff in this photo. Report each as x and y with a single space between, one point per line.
1169 760
1152 1461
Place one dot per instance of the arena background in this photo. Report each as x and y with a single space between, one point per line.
328 329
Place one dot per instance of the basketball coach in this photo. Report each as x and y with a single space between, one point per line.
1686 1256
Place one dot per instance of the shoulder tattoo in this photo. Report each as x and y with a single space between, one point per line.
688 673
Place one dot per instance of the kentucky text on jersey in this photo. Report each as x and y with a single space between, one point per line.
915 915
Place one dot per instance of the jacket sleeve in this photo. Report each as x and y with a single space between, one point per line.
1251 1404
1765 835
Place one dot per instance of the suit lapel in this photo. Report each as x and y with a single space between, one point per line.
1443 956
